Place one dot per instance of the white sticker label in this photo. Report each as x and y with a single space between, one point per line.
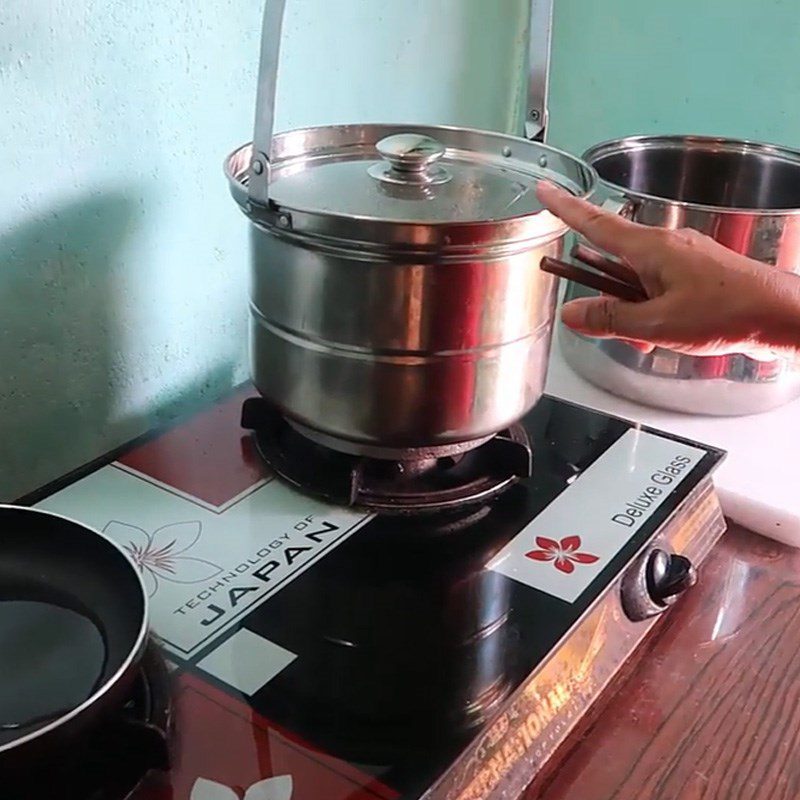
572 540
204 570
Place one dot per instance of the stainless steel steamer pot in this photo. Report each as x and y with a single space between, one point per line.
746 196
396 299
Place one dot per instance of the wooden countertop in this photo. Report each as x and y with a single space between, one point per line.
712 710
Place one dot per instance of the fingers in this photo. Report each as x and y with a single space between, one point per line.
608 231
609 266
593 280
642 347
606 317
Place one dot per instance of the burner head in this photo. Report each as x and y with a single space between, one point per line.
423 481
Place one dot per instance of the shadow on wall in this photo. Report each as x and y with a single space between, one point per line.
62 354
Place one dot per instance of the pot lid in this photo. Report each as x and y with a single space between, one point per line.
417 174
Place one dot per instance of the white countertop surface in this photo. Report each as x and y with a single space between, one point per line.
757 483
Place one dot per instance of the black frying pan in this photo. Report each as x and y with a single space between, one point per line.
73 628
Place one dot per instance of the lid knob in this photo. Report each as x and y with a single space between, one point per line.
410 152
411 159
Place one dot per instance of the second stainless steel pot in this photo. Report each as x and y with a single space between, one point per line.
397 302
747 197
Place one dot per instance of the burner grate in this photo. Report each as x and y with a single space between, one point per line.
420 485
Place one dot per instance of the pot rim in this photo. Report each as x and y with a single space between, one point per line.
313 222
702 142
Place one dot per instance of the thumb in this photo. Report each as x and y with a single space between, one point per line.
607 317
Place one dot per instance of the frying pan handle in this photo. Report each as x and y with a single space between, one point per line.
260 165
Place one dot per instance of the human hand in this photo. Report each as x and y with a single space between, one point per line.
704 299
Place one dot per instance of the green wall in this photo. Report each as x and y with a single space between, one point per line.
723 67
123 262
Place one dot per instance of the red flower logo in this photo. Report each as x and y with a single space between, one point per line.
564 553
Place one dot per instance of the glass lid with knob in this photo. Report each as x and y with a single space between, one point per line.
416 174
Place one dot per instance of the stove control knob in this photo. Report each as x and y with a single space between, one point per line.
668 576
654 582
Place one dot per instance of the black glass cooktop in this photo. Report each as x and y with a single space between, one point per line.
403 641
407 644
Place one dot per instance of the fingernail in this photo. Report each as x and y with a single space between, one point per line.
546 188
573 315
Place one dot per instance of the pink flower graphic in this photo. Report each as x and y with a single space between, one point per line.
278 788
160 555
563 553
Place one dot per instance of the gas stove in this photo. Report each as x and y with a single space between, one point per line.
325 649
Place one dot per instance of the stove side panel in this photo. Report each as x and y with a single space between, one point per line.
504 760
